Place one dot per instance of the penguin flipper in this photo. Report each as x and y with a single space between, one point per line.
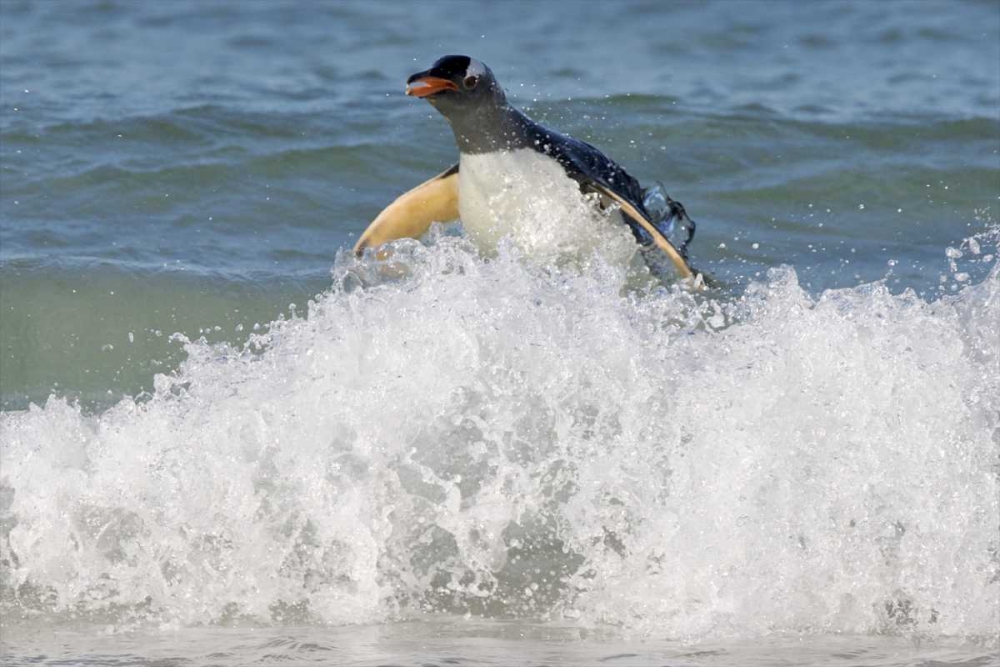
684 269
412 213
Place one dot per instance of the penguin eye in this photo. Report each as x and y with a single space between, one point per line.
470 82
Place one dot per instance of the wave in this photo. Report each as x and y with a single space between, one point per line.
451 434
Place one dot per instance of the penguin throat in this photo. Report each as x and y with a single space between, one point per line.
490 129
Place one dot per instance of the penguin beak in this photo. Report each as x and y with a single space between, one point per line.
420 85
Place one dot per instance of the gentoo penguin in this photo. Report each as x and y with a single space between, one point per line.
498 144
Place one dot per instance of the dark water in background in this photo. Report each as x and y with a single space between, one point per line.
186 165
822 451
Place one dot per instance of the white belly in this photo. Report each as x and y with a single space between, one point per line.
527 197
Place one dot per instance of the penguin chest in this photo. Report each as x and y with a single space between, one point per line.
526 196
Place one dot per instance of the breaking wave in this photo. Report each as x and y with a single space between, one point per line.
445 433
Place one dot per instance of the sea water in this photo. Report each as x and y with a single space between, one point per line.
226 440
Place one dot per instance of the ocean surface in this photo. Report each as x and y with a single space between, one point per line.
225 440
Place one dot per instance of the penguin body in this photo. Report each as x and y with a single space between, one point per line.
528 197
496 188
516 178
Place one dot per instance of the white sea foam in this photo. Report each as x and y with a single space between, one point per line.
443 432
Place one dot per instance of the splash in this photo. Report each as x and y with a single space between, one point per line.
446 433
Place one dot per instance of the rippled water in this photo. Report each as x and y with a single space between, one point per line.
223 437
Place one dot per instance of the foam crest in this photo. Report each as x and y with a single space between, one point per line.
446 433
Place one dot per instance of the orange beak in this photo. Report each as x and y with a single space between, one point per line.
429 85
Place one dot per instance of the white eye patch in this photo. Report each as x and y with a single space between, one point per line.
475 68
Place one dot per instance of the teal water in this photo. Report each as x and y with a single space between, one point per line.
214 416
221 155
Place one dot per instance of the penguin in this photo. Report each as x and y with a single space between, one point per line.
496 142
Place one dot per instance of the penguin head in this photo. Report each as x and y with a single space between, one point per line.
456 84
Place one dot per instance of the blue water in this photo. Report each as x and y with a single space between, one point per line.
212 159
214 416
